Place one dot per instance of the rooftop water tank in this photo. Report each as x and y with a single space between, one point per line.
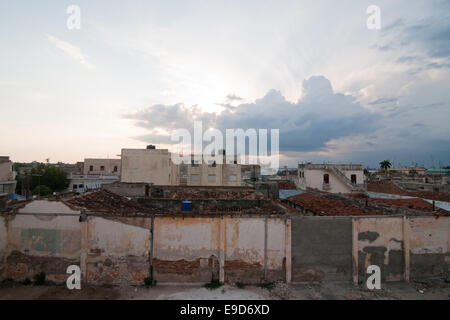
186 206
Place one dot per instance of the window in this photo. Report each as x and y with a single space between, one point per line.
211 163
115 168
80 186
91 168
211 178
75 186
195 178
232 178
102 168
326 178
194 163
353 178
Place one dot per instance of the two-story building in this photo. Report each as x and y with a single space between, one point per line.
334 178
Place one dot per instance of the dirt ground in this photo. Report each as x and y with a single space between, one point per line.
430 290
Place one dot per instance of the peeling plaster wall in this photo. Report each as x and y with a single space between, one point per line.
429 241
189 249
185 250
380 242
244 249
39 242
118 250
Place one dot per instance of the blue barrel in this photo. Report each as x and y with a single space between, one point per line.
186 206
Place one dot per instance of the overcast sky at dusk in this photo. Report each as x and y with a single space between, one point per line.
136 70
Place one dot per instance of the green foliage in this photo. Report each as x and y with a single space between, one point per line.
240 285
149 282
268 286
42 190
39 279
385 164
52 177
214 284
41 174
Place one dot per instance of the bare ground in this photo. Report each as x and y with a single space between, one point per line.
435 290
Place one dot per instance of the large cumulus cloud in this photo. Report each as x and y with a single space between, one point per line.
307 125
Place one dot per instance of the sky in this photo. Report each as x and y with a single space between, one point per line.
137 70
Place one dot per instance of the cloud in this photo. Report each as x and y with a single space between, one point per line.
424 44
319 116
72 51
383 101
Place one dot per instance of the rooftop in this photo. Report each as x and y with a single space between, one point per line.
391 188
323 206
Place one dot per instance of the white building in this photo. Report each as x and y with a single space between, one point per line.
334 178
7 177
81 183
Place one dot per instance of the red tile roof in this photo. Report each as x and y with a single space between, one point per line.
323 206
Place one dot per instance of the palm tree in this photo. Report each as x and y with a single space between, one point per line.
385 164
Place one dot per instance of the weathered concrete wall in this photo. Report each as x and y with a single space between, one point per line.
185 250
3 243
245 249
381 243
321 248
127 189
118 250
190 249
429 241
43 242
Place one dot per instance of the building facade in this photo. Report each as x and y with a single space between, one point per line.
155 166
81 183
7 177
149 165
212 173
334 178
102 166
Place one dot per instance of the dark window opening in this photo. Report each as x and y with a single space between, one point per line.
102 168
91 168
115 168
353 178
326 178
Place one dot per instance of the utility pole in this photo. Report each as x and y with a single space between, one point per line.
39 183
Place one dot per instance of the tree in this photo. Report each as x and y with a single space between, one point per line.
385 164
50 176
42 190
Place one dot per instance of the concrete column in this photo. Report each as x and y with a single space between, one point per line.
288 251
355 250
84 249
265 247
406 231
221 249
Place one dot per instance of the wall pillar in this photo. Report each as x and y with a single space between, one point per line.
221 250
265 247
84 248
406 247
355 250
288 250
